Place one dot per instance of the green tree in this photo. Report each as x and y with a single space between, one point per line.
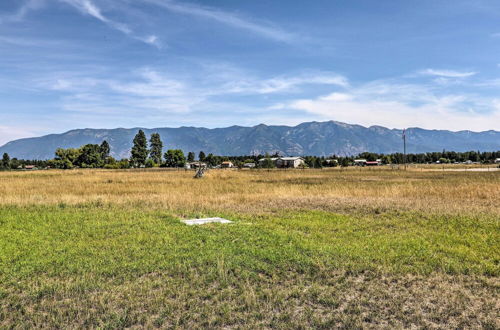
267 162
66 158
317 163
156 146
201 156
175 158
139 151
5 161
90 156
190 157
104 149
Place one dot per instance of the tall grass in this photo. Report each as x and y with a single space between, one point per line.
256 191
314 248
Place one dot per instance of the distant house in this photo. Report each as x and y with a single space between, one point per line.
289 162
360 162
195 165
372 163
226 164
497 161
30 167
285 162
332 162
249 165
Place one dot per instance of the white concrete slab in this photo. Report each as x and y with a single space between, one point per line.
203 221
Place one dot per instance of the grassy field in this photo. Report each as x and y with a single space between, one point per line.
371 248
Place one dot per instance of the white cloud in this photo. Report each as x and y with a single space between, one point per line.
9 133
274 85
365 105
263 29
447 73
87 7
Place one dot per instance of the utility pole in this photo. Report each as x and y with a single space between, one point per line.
404 147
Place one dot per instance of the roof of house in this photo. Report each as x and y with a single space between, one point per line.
291 158
227 162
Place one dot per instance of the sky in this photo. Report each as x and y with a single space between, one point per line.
67 64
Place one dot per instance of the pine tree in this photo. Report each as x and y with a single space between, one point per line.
104 149
139 150
201 156
190 157
156 146
5 161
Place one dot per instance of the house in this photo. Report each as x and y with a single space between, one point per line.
226 164
372 163
249 165
360 162
195 165
289 162
332 162
497 161
30 167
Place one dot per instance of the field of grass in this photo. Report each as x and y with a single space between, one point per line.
332 248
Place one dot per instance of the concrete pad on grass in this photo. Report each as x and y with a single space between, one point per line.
203 221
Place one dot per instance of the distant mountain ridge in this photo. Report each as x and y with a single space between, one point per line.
311 138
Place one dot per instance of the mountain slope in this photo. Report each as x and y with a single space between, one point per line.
312 138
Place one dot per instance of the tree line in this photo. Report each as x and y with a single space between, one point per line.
151 155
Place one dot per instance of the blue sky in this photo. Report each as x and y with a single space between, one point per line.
68 64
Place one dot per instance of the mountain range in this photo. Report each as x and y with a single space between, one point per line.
311 138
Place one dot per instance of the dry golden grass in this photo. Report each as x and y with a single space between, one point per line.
260 191
105 249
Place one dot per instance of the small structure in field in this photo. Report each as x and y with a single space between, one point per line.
360 162
227 164
249 165
332 162
195 165
203 221
30 167
373 162
289 162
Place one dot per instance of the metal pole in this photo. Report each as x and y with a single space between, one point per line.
404 147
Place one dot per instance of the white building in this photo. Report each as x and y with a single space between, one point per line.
289 162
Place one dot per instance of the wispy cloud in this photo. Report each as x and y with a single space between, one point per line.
26 7
447 73
87 7
263 29
283 84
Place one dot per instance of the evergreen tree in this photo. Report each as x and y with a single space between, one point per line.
104 149
317 163
201 156
190 157
139 150
5 161
156 148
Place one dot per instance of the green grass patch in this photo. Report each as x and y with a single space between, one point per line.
113 261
